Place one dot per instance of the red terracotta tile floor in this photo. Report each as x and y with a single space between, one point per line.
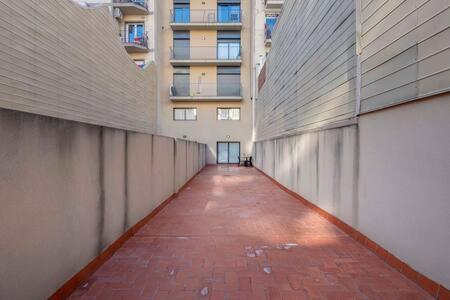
233 234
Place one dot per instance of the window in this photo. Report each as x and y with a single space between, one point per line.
181 11
135 33
140 63
232 114
185 114
181 81
228 44
229 11
229 81
271 20
181 45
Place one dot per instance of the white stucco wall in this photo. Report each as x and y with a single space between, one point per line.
68 190
404 185
387 176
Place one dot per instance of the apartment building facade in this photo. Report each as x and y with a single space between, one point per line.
266 13
204 74
135 26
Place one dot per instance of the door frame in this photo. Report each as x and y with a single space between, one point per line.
227 142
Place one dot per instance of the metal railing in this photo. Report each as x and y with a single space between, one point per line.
219 52
186 15
133 39
206 90
142 3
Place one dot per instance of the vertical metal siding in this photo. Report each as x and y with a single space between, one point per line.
406 52
311 68
61 60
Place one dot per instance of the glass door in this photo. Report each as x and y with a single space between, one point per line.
228 152
222 153
233 153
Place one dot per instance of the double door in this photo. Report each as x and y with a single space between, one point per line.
228 152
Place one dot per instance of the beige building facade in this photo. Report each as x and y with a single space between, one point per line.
204 74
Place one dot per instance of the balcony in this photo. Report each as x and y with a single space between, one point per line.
219 19
274 4
221 55
206 92
133 43
132 7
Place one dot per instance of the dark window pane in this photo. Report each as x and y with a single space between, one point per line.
181 84
181 70
181 35
229 70
229 85
229 35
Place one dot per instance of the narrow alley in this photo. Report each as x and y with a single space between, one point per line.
234 234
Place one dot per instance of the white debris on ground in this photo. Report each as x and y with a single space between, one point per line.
286 246
204 291
253 252
259 252
267 270
250 252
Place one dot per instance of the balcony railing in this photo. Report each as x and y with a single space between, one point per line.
142 3
206 90
183 15
219 52
134 39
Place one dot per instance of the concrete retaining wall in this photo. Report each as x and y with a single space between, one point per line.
388 177
68 190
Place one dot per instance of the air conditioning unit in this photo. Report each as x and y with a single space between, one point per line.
118 14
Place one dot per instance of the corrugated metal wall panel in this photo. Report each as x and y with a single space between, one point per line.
53 64
405 51
311 69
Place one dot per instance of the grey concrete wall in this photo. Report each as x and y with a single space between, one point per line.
387 176
68 190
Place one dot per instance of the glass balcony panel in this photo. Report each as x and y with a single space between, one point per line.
181 49
228 51
224 14
182 89
224 51
229 14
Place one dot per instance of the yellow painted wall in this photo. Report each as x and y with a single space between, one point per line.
203 4
203 44
203 80
203 10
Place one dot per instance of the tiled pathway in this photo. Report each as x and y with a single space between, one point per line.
233 234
